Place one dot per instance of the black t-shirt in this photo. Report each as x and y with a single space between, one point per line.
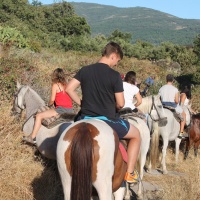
99 83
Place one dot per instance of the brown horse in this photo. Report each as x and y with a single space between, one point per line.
194 135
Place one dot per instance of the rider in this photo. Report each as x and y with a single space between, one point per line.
102 97
148 82
59 98
170 97
185 98
131 91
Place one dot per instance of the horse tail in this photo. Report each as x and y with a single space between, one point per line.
154 149
81 164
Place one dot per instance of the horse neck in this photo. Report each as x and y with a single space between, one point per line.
145 106
32 101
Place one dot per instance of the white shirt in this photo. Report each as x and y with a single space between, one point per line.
168 93
129 92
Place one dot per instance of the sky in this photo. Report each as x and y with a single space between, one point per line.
187 9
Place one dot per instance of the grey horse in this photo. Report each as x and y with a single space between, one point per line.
26 98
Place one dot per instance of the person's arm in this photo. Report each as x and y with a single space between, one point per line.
139 99
182 98
53 95
71 90
119 97
176 98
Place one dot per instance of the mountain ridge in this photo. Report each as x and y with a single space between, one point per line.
143 23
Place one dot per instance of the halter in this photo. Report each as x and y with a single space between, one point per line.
160 120
16 97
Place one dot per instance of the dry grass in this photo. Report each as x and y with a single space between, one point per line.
22 174
27 176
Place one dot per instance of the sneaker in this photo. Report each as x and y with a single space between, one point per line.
132 177
182 135
29 139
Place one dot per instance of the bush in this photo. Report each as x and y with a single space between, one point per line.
12 70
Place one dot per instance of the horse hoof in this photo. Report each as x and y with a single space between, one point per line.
165 172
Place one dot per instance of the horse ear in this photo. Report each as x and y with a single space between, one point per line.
18 84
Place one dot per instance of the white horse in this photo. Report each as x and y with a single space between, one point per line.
26 98
169 132
152 106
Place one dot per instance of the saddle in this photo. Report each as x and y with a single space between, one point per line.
53 121
127 112
177 116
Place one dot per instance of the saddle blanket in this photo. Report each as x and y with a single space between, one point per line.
55 120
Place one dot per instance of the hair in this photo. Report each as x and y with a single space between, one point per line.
112 47
130 77
153 76
169 78
58 76
187 91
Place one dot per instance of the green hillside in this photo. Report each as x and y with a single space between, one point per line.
143 23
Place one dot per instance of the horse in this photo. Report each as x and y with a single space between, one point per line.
194 135
153 108
169 132
26 98
88 155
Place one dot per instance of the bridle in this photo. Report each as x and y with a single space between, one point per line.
16 100
160 120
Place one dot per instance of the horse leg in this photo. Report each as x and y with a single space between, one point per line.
164 151
119 194
127 195
142 164
104 188
177 141
187 149
66 183
149 166
195 151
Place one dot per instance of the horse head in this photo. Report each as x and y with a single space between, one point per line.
18 102
157 111
25 97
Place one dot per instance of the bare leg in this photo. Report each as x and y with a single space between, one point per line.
38 120
182 123
133 147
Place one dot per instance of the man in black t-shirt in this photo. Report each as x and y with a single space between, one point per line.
102 97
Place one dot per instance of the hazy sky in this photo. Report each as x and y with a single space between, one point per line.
189 9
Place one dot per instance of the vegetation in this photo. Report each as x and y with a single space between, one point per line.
35 27
142 23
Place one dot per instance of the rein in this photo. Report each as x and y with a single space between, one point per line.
159 118
154 106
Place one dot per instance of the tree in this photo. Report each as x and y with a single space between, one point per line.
118 34
36 3
197 46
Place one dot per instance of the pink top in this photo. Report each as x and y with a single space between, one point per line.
63 99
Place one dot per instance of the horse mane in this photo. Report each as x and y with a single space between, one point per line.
196 116
144 106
